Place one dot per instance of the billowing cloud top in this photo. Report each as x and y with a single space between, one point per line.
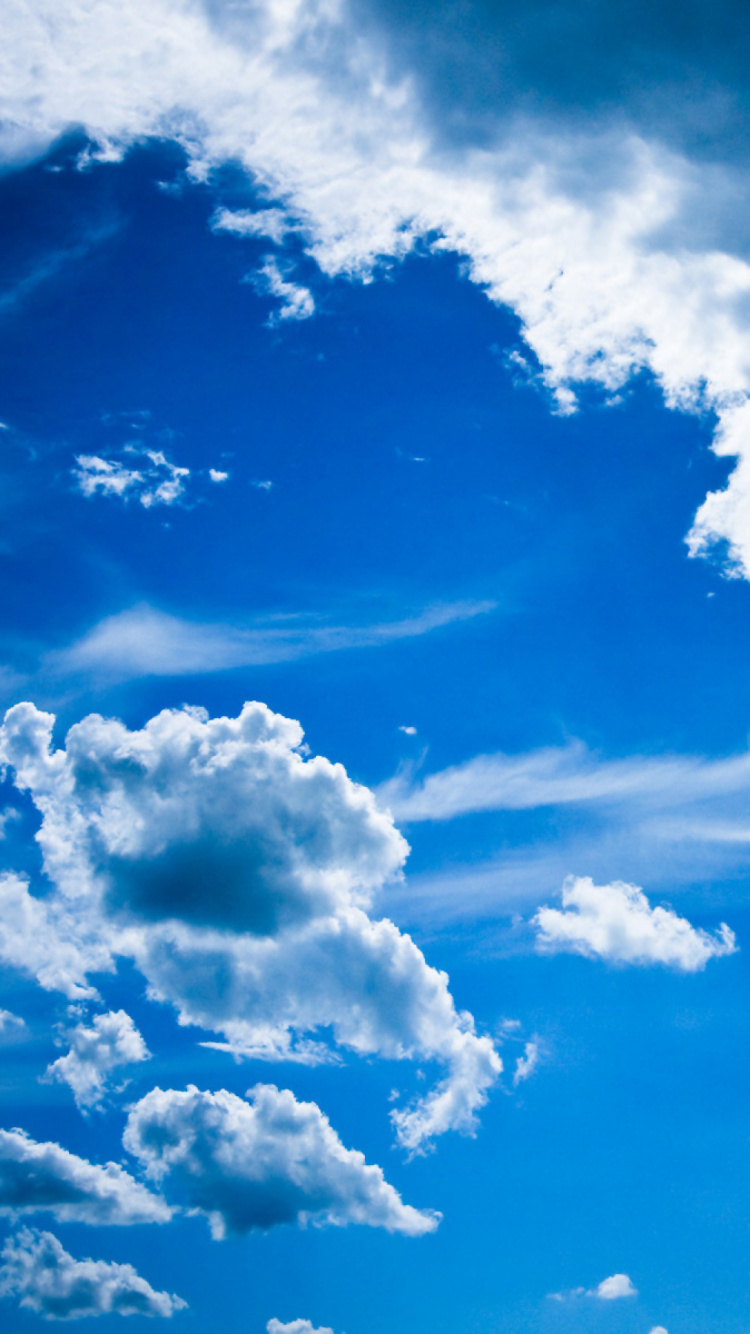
236 873
254 1165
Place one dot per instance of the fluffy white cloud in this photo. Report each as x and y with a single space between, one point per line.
613 1288
275 1326
43 938
43 1177
157 481
111 1041
608 270
616 922
238 874
249 1165
10 1023
47 1280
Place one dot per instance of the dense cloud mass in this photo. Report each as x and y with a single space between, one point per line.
236 873
597 238
111 1041
47 1280
44 939
43 1177
617 922
254 1165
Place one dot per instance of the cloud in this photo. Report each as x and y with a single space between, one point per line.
157 482
616 922
295 302
147 642
613 1288
271 224
599 238
10 1023
48 1281
44 939
43 1177
217 476
111 1041
254 1165
275 1326
238 875
526 1064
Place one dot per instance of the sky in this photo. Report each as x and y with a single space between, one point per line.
375 743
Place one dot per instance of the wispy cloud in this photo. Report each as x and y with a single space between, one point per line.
146 642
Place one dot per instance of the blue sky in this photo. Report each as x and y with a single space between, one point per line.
389 367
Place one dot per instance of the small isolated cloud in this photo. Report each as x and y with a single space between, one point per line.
10 1024
263 485
609 1290
217 476
111 1041
43 1177
271 224
275 1326
613 1288
155 481
253 1165
616 922
295 302
408 731
47 1280
526 1064
658 1329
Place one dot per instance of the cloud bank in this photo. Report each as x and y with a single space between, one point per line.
609 271
48 1281
254 1165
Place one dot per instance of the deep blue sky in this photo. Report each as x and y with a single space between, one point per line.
414 467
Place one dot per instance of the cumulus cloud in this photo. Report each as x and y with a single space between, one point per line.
44 939
111 1041
608 271
613 1288
43 1177
275 1326
239 875
616 922
157 481
254 1165
47 1280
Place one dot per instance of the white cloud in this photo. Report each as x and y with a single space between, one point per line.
48 1281
42 938
147 642
616 922
658 1329
254 1165
95 1052
275 1326
608 270
43 1177
271 224
238 874
157 481
217 476
10 1023
295 302
613 1288
526 1064
408 730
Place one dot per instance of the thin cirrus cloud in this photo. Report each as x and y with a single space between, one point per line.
147 642
214 849
617 923
612 272
257 1162
40 1274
